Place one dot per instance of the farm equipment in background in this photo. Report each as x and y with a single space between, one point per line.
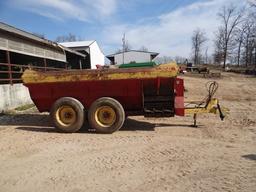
107 96
198 69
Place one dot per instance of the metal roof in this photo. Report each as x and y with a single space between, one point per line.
77 43
30 36
71 50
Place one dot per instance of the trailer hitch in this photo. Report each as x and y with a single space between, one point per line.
213 106
207 105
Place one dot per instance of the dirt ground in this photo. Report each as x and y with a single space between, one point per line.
165 154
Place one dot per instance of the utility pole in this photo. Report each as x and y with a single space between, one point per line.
123 39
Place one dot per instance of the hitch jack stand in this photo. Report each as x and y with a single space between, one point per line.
194 117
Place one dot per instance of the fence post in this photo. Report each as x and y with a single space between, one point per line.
45 64
9 66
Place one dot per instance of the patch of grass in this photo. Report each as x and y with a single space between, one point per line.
9 112
24 107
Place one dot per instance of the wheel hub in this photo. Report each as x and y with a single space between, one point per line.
105 116
66 115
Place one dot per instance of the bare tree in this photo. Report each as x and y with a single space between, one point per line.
67 38
179 59
163 59
252 3
198 39
118 51
230 18
126 47
219 46
253 18
206 55
239 36
249 43
143 48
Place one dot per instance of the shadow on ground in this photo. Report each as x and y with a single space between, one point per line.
250 157
38 129
134 125
42 123
129 125
142 125
25 120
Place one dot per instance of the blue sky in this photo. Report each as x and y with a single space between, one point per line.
163 26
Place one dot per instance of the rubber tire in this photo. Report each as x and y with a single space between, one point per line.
118 108
77 106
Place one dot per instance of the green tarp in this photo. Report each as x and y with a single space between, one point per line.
132 65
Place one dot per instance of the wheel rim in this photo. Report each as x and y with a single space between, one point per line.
66 115
105 116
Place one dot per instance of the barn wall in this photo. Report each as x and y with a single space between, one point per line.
97 57
137 57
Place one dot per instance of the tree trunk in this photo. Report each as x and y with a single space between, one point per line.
255 57
225 54
250 56
246 52
239 53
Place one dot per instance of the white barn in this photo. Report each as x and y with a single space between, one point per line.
91 49
132 56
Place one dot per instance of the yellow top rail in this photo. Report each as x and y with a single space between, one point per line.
163 70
